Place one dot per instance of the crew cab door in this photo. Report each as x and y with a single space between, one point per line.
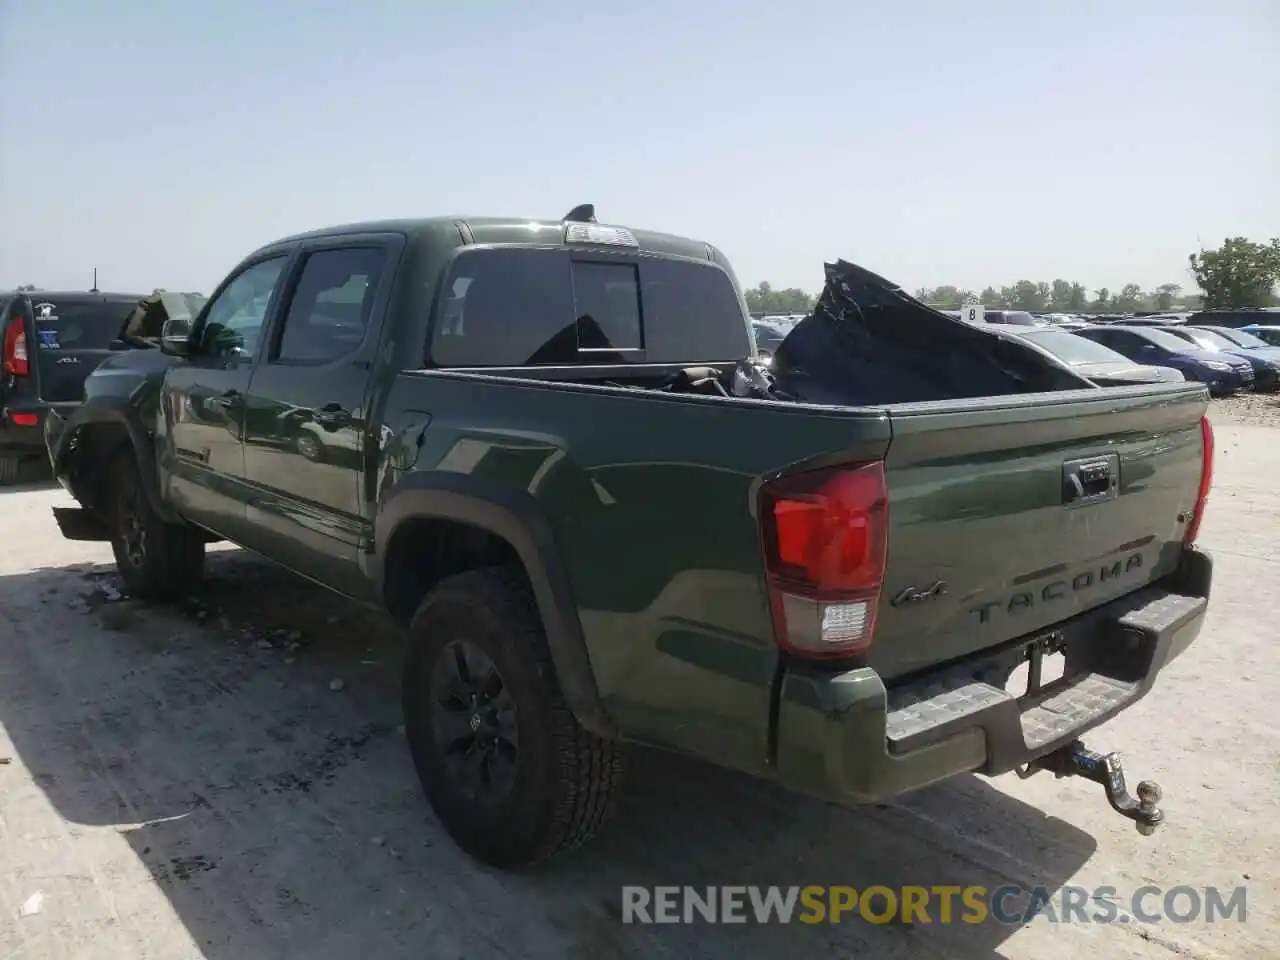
204 402
308 430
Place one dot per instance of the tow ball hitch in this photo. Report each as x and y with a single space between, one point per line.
1076 760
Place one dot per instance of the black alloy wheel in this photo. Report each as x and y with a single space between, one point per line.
473 719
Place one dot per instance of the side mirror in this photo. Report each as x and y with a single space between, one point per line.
175 337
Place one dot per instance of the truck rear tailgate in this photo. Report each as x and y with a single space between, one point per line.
1008 515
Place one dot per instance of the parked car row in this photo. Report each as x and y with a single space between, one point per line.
1267 333
1226 359
1122 350
1232 319
1221 373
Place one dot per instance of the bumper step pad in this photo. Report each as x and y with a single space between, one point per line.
972 693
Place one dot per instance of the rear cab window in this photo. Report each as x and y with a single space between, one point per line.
520 306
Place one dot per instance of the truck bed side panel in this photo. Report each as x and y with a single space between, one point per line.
652 498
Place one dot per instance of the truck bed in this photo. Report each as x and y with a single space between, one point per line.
654 499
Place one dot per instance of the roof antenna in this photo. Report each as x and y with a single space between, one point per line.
95 281
583 213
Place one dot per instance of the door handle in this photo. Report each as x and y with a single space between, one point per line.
331 416
228 399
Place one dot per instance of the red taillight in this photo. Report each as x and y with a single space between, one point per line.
825 542
1206 481
24 419
15 349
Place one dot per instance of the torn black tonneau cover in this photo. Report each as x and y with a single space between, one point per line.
868 342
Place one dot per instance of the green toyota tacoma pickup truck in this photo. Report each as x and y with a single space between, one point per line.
549 450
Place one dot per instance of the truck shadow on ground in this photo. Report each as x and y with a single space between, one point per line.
247 747
28 486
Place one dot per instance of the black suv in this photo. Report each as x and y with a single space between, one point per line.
50 341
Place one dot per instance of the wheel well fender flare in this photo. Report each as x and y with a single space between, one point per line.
116 412
517 518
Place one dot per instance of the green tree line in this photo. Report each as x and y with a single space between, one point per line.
1239 274
764 299
1061 296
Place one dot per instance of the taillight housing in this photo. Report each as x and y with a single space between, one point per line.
1206 481
15 349
825 535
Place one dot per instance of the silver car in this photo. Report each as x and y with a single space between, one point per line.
1093 361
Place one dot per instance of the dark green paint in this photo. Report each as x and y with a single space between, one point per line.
651 499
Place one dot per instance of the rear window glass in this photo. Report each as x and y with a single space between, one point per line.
79 324
511 307
1210 341
1167 340
606 301
1241 338
1071 349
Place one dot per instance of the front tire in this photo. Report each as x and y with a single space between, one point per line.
156 560
512 775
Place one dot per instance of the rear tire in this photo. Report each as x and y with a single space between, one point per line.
16 470
156 560
512 775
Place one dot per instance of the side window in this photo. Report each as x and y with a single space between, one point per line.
233 326
328 314
1127 343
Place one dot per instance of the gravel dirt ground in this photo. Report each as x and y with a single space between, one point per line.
228 780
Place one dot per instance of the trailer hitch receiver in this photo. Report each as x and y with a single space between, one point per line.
1076 760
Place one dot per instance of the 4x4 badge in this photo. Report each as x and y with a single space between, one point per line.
918 595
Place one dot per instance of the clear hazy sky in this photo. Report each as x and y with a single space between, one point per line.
934 141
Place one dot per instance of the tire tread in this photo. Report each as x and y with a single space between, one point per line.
177 562
588 771
19 470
